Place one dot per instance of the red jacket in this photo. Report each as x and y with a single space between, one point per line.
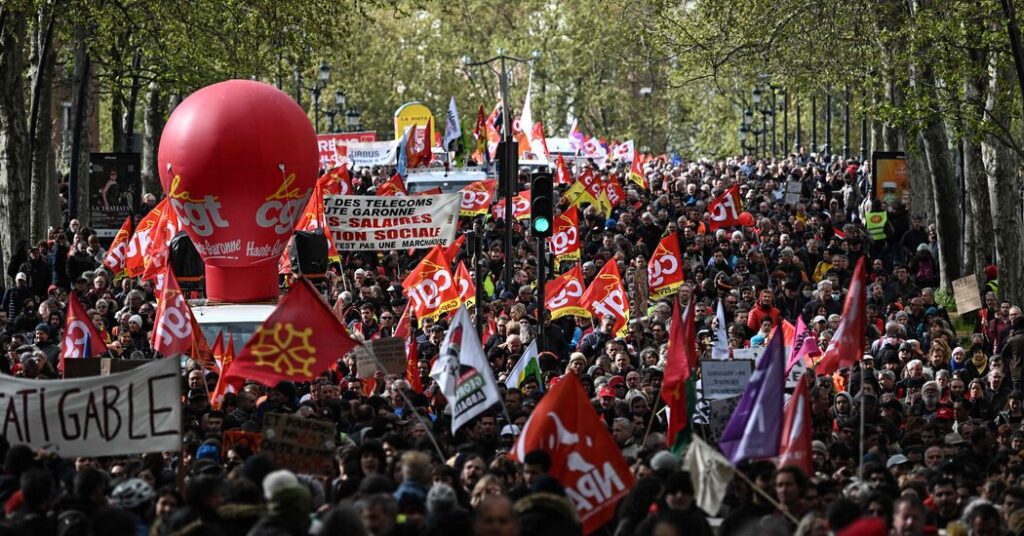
758 315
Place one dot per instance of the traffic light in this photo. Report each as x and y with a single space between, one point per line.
541 201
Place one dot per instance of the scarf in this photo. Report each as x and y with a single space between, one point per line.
980 361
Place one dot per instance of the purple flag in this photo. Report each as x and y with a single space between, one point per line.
755 427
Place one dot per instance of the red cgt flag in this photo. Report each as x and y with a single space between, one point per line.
299 341
606 295
795 446
562 294
117 255
584 456
431 287
173 329
81 338
847 344
476 197
467 289
565 238
412 370
725 209
226 385
664 270
562 174
138 246
393 186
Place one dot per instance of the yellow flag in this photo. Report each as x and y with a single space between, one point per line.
604 204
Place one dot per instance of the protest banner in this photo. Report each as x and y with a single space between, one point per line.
376 223
249 440
965 292
372 153
118 414
333 148
792 195
388 352
305 446
719 412
724 379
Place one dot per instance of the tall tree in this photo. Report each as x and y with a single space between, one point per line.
14 148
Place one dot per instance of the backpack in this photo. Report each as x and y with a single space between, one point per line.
889 352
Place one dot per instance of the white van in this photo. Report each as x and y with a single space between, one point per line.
449 181
239 320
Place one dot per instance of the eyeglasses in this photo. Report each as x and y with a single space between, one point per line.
387 318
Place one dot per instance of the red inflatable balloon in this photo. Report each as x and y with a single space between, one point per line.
238 160
746 219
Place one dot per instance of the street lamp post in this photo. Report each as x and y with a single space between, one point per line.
814 123
774 109
352 119
797 140
330 113
846 124
863 129
828 125
511 169
785 121
339 103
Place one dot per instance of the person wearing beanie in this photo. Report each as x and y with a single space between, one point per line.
444 514
289 504
45 344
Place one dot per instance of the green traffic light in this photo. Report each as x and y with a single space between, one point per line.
541 225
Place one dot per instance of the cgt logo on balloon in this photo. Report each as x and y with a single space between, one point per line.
279 213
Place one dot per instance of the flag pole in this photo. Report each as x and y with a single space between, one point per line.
654 414
757 489
860 461
412 409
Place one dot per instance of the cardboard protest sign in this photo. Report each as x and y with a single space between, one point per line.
792 192
719 412
118 414
305 446
724 379
965 292
388 351
376 223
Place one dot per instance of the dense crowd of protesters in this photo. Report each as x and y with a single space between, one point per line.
943 407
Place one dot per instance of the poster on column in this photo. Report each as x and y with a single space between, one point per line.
125 413
376 223
115 190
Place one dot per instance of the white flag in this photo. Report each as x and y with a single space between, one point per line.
452 128
710 473
721 348
526 124
462 372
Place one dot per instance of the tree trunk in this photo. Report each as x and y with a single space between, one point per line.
132 104
980 207
943 186
14 141
118 144
1004 184
921 198
40 123
78 206
154 126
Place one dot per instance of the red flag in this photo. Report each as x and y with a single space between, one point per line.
490 328
537 136
477 197
172 331
217 351
664 270
565 237
614 191
562 294
591 184
412 370
521 205
677 389
847 344
117 255
562 173
156 257
224 384
299 341
81 338
337 181
636 171
452 251
795 445
606 295
201 352
467 289
430 286
584 456
725 209
393 186
138 246
417 148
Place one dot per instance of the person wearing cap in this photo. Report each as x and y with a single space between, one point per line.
14 297
606 397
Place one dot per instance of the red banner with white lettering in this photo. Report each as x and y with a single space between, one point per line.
585 458
562 294
665 269
467 290
565 237
606 296
139 244
117 254
614 191
430 286
725 209
172 331
81 338
476 197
